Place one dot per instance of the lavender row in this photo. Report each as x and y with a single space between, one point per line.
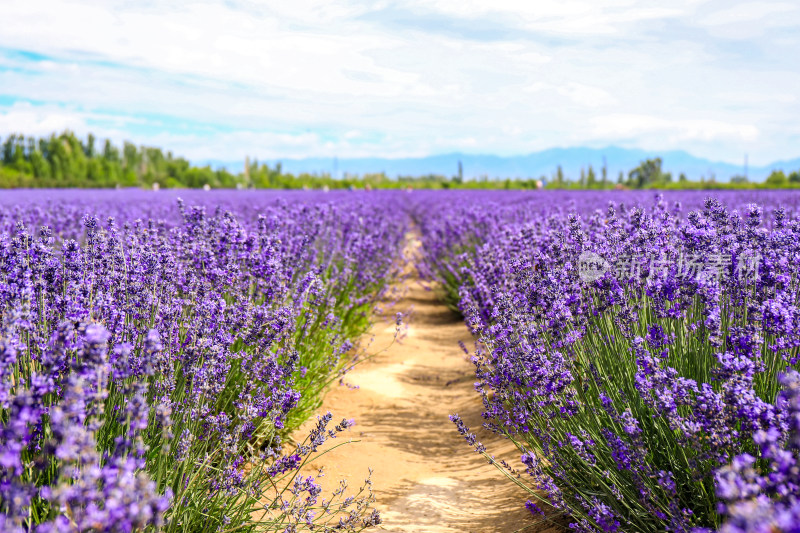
155 353
662 396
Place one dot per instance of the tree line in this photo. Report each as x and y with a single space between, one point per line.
650 175
65 160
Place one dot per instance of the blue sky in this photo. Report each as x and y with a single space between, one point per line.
221 80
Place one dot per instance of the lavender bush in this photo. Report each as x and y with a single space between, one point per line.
641 359
151 364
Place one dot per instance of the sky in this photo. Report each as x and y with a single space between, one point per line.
318 78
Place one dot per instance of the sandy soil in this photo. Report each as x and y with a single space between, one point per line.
426 478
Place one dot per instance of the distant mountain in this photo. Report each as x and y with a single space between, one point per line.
534 165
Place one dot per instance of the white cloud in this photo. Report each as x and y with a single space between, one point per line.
30 120
760 14
587 95
218 80
673 130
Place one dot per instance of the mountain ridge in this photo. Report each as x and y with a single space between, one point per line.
533 165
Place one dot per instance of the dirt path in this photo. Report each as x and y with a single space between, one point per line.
426 478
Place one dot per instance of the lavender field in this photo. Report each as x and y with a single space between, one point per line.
166 357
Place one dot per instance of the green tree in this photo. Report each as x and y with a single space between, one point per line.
591 179
647 173
90 148
40 166
8 150
777 179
